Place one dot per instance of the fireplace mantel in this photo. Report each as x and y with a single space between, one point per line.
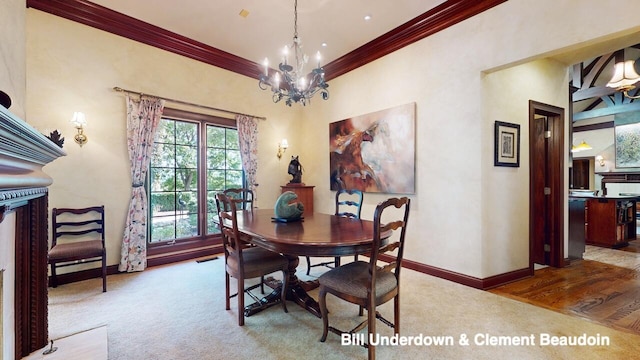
23 153
23 190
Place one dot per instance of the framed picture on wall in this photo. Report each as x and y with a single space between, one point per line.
374 152
507 144
627 138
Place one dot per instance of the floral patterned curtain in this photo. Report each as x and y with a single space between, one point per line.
143 117
248 138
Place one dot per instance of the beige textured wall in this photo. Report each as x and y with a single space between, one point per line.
12 50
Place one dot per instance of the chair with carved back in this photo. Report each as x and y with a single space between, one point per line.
243 197
369 284
348 204
77 237
244 262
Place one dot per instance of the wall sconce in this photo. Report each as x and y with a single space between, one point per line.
79 122
624 78
282 147
600 159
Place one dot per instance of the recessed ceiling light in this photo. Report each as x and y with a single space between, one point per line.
367 17
244 13
324 44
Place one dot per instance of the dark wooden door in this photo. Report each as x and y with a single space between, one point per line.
580 172
546 192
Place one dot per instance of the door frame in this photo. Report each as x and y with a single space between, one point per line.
556 168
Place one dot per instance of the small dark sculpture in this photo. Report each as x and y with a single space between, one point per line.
295 170
5 100
56 137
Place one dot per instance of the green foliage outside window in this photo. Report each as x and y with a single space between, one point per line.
173 177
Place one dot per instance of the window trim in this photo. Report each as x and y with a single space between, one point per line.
203 240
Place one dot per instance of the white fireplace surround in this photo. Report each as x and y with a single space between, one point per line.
23 153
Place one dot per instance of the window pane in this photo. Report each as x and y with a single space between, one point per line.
163 228
215 137
215 180
163 179
166 132
232 139
186 156
188 202
234 179
216 158
163 156
186 133
187 226
162 203
233 160
186 179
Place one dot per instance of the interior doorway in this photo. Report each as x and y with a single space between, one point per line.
546 189
580 174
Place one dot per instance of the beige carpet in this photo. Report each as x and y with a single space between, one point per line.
177 312
90 344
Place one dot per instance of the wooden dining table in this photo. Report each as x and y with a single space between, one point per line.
316 234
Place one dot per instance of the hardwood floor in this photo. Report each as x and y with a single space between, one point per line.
604 288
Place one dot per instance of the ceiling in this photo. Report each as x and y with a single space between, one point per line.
269 25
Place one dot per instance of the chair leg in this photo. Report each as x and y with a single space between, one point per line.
262 284
322 301
227 291
240 301
104 273
336 262
283 294
396 314
54 278
371 329
308 265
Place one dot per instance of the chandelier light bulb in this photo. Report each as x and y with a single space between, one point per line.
285 53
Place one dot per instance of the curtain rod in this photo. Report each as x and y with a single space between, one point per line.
119 89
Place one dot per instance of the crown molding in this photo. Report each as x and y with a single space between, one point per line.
85 12
439 18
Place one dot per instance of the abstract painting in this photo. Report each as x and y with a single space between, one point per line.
627 145
374 152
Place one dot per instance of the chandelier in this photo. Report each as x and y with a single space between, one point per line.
290 82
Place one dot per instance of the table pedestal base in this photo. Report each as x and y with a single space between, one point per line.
296 292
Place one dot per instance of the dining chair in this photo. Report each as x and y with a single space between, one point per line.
367 284
77 237
348 204
244 262
243 197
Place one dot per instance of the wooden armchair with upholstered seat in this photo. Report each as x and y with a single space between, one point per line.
348 204
77 236
244 262
366 283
